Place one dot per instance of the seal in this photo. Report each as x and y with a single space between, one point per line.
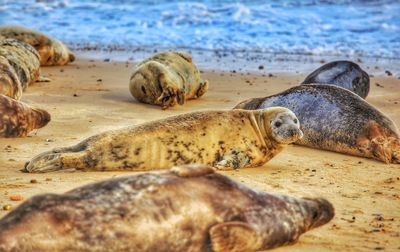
23 58
166 79
188 208
345 74
52 51
335 119
224 139
17 119
9 81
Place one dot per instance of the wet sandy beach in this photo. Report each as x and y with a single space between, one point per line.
91 96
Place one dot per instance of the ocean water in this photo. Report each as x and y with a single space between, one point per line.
309 27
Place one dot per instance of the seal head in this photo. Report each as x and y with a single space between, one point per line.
281 124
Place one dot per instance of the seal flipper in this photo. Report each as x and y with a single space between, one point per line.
168 96
192 170
202 89
57 159
234 236
379 144
186 56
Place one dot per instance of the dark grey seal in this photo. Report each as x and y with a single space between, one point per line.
335 119
345 74
189 208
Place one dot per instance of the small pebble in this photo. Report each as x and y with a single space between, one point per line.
107 60
16 197
260 67
388 72
75 95
33 181
48 179
7 207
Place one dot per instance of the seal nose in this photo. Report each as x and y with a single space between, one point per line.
295 132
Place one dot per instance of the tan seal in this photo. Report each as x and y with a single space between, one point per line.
52 51
17 119
23 58
225 139
188 208
166 79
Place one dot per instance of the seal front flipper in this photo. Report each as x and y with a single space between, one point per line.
234 236
202 89
168 97
236 159
43 79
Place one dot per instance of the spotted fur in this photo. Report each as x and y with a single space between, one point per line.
17 119
335 119
52 52
23 58
188 208
226 139
166 79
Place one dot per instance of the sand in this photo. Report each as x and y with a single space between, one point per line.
91 96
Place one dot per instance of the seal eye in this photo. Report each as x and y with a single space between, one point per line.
278 124
295 121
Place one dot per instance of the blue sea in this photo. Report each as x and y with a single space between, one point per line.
310 27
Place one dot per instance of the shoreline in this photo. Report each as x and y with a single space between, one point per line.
245 61
90 96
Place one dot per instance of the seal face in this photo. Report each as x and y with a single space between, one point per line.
166 79
23 58
17 119
224 139
335 119
345 74
52 51
189 208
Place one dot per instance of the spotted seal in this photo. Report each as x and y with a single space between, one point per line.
17 119
345 74
52 51
166 79
225 139
9 81
188 208
23 58
335 119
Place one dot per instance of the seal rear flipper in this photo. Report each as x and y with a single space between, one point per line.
56 160
234 236
192 170
377 143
